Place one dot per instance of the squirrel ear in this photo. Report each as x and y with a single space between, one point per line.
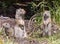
46 12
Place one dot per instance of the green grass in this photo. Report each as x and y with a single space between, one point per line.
55 39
